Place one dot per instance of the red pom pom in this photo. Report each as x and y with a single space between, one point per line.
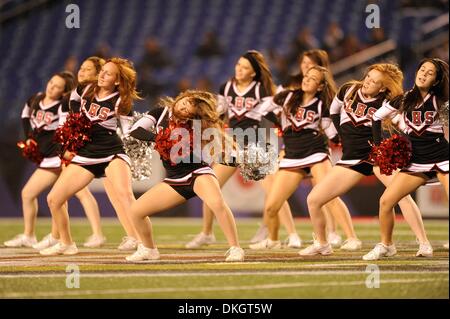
392 154
164 144
31 151
74 133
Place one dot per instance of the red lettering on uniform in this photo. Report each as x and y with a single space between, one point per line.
48 117
310 116
103 114
429 117
249 103
40 115
360 110
348 108
93 109
300 114
371 112
239 102
416 117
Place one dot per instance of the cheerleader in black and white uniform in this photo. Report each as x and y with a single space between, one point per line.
40 116
104 104
238 97
188 175
306 123
351 111
419 109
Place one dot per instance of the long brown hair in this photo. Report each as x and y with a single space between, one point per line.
126 86
440 88
319 57
205 105
97 61
326 95
264 75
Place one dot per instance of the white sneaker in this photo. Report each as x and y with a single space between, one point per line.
380 250
128 243
317 249
266 244
200 240
351 244
334 239
425 250
21 240
144 253
46 242
235 254
294 241
260 235
446 245
94 241
60 249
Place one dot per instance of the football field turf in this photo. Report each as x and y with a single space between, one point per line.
202 273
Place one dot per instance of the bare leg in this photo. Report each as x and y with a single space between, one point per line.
338 181
223 174
336 207
208 189
72 179
284 184
38 182
159 198
409 209
285 213
402 185
118 187
90 206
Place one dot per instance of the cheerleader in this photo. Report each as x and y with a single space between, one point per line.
307 60
40 118
336 209
304 120
187 178
88 74
103 104
351 112
251 85
420 110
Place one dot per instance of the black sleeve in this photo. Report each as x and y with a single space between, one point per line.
26 127
376 132
273 118
142 134
279 98
65 103
336 118
336 139
342 91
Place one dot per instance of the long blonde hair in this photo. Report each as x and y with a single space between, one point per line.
126 86
392 80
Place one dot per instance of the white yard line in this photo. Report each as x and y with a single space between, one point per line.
125 274
69 293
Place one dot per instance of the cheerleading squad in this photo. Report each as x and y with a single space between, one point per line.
71 133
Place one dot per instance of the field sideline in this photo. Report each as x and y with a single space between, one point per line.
202 273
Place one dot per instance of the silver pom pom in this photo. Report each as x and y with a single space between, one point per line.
140 154
256 162
443 114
